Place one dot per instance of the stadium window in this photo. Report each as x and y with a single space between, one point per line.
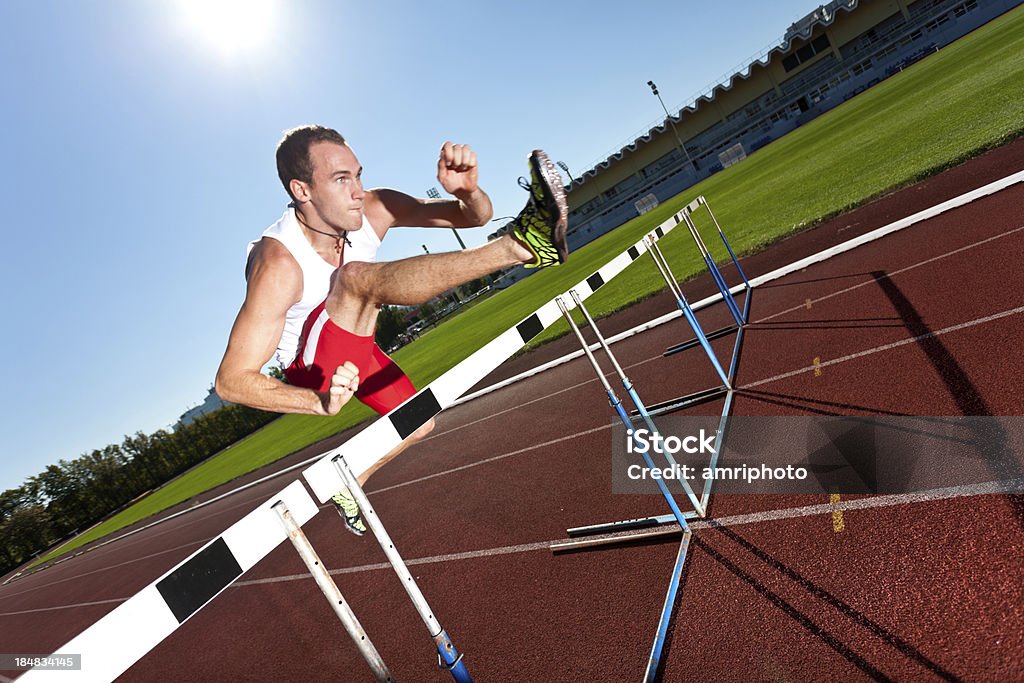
790 62
805 53
820 43
963 9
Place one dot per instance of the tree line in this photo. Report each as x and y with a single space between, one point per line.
73 495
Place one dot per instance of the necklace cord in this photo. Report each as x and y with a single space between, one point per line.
337 236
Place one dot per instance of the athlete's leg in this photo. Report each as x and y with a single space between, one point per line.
386 387
359 289
536 238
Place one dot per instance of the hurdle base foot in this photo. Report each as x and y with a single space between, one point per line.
681 402
721 332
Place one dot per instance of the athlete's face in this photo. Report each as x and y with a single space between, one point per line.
336 192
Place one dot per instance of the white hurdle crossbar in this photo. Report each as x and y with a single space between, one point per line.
122 637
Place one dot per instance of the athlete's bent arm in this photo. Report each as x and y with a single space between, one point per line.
274 283
458 174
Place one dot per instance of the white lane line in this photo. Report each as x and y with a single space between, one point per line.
889 500
77 553
886 347
823 255
785 270
439 433
75 577
450 557
112 601
446 432
746 385
895 272
568 437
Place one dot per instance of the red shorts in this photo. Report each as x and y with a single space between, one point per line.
324 346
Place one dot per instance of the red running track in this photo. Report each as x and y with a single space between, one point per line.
925 321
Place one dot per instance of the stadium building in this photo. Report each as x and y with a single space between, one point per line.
825 58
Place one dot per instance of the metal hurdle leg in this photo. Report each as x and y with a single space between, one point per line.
448 658
333 594
615 403
648 522
651 673
744 315
670 278
628 386
657 648
684 306
735 260
716 274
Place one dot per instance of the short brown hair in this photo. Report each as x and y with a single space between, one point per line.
293 152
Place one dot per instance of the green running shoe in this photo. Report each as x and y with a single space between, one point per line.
349 511
540 226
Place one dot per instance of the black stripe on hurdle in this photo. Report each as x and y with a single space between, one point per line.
530 328
659 232
634 253
194 583
595 281
415 413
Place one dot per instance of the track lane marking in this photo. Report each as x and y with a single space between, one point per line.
838 525
568 437
634 365
888 347
889 500
860 354
871 281
882 501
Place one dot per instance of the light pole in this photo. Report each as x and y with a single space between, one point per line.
562 165
654 89
434 194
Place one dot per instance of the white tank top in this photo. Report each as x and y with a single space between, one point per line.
316 273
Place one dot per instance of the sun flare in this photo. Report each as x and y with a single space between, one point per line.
231 27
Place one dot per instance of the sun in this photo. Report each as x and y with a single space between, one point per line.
231 27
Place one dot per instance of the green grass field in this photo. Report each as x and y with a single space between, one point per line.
947 108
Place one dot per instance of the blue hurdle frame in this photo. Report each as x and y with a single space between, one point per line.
644 413
700 339
740 317
654 659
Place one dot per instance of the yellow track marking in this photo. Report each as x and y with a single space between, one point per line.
837 515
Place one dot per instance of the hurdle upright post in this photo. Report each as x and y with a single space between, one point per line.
657 648
447 657
716 274
333 594
684 306
633 396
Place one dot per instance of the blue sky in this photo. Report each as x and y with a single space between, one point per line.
138 148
